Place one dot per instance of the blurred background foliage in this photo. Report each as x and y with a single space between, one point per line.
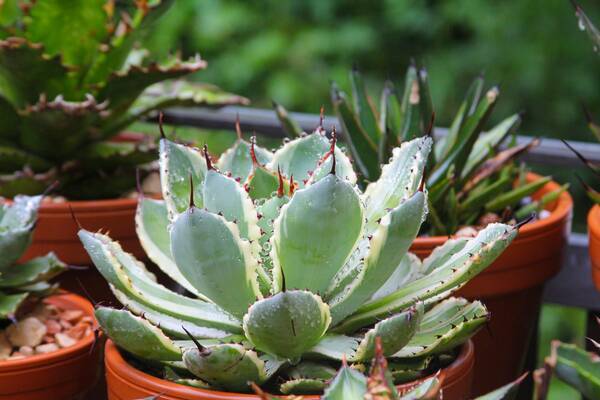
290 50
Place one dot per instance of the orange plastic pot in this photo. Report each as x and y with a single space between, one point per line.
511 288
125 382
63 374
594 237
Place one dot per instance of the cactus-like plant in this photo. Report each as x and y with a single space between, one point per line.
471 181
20 281
71 79
351 384
290 267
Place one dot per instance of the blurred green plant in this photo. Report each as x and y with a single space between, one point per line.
71 79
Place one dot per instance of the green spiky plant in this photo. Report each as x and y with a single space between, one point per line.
471 180
290 268
71 79
351 384
20 281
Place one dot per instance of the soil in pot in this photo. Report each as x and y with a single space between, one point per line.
594 238
512 288
64 364
125 382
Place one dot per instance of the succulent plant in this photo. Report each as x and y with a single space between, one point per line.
20 281
290 269
471 180
351 384
71 79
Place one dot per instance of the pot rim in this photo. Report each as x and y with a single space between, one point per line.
114 362
593 220
81 347
561 211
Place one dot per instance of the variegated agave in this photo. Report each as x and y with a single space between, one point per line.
290 268
71 79
19 281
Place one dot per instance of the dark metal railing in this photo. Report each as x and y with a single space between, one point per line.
571 287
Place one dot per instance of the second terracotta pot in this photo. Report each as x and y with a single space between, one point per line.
593 221
63 374
125 382
511 288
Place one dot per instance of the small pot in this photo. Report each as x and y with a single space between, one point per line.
511 288
63 374
593 220
125 382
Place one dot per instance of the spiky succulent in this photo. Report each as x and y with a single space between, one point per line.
19 281
470 180
71 79
290 268
351 384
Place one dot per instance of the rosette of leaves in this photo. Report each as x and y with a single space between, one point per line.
471 173
289 269
71 79
20 281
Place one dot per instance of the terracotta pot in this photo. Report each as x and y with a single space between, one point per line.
512 288
594 237
64 374
125 382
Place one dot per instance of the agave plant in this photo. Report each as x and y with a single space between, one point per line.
471 180
20 281
71 79
290 269
351 384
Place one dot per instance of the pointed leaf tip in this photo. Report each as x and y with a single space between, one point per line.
253 151
203 350
238 128
74 217
161 117
192 204
280 192
209 164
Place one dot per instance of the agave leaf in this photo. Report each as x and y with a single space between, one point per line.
25 73
400 180
288 124
108 154
179 164
229 366
237 160
152 223
311 370
475 256
389 244
213 257
122 88
467 135
349 384
74 32
10 303
33 271
343 167
538 205
174 327
505 392
425 103
479 198
408 369
9 130
16 226
43 126
447 325
129 276
411 118
15 159
394 332
429 389
363 107
261 183
287 324
577 367
224 196
441 254
389 121
302 386
335 347
268 212
506 199
137 335
321 209
408 270
490 140
362 148
300 156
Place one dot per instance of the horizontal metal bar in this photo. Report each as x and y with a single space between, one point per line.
264 121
